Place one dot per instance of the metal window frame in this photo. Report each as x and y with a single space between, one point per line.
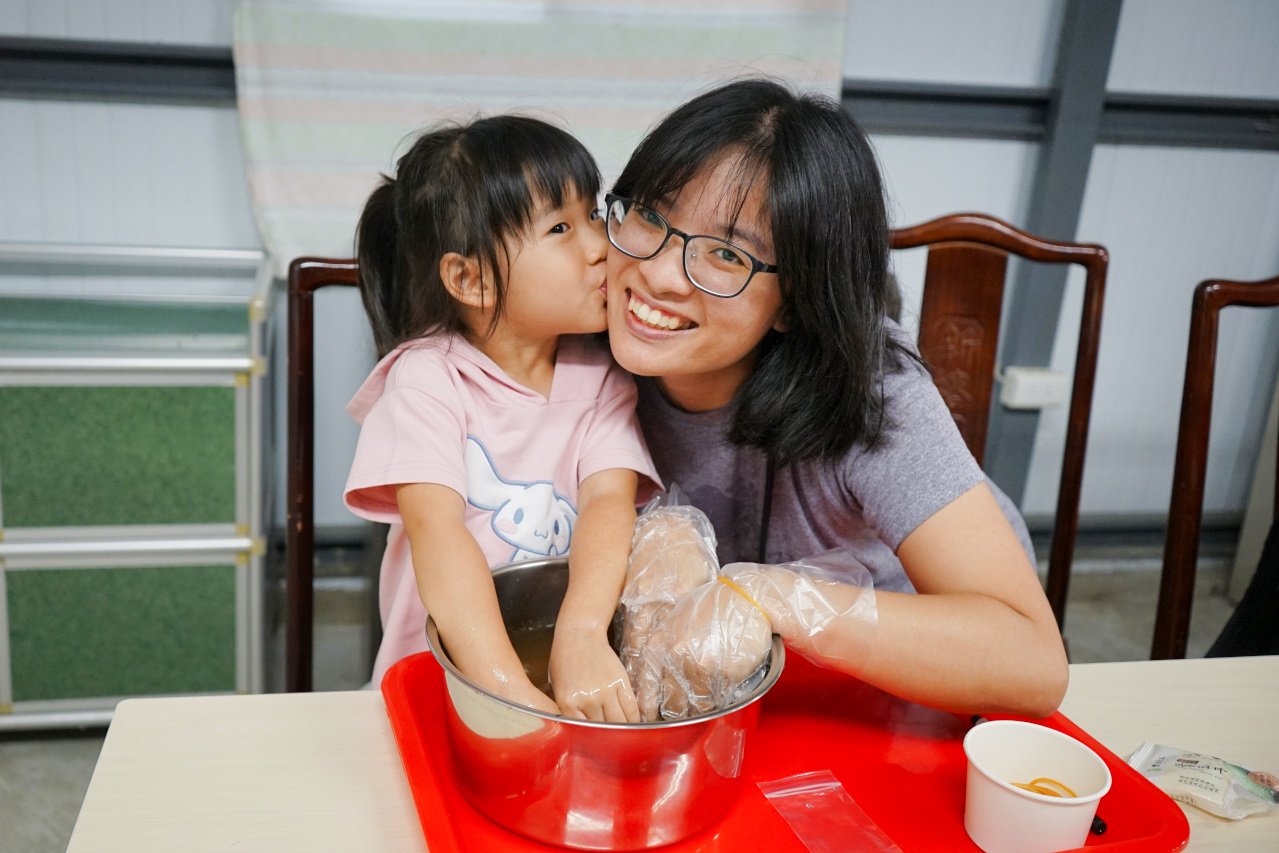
111 70
1004 112
84 69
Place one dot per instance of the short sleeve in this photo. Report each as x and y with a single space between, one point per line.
614 439
920 463
410 435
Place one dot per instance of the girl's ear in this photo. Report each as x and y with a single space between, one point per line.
781 321
462 278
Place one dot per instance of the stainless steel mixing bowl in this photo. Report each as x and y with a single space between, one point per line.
590 786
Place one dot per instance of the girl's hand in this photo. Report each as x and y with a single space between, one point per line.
523 692
590 682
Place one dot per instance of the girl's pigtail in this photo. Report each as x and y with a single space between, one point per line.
382 268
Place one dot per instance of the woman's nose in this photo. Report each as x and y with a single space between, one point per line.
664 272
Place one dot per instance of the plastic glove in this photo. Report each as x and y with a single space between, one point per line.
823 606
672 552
707 647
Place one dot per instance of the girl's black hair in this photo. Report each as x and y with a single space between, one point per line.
471 189
816 389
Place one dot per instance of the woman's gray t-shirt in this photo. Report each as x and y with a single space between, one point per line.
866 502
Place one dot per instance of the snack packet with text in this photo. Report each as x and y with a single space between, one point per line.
1216 786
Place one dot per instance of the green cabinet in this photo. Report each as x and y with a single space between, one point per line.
78 633
132 492
77 456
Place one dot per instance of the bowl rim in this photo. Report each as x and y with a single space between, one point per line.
776 662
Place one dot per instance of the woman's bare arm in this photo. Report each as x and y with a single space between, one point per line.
980 635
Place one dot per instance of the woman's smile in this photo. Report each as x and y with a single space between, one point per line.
652 317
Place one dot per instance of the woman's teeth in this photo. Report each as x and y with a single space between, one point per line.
653 317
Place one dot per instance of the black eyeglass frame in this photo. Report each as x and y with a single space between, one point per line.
756 264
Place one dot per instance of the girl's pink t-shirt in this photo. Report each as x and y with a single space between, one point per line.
437 410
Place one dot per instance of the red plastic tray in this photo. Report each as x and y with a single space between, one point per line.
903 764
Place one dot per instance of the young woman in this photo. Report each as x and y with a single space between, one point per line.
748 286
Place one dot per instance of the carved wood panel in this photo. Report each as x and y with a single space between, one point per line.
959 332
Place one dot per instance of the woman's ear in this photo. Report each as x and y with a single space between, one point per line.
463 280
781 320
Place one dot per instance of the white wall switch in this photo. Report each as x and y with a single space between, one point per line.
1033 388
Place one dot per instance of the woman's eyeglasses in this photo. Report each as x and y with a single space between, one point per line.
712 265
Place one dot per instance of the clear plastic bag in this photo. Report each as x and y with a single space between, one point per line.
672 551
824 816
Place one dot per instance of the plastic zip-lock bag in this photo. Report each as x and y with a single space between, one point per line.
824 816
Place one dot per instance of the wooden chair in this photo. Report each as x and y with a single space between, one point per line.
1181 544
306 275
959 331
959 334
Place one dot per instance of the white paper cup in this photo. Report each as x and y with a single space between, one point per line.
1002 818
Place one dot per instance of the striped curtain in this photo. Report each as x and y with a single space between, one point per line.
330 92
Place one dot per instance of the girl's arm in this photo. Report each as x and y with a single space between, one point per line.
589 680
456 586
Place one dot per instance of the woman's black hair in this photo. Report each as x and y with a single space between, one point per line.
816 389
471 189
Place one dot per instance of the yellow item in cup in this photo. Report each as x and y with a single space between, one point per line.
1042 786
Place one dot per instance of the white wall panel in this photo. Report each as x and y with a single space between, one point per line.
1170 219
987 42
201 22
126 174
1227 48
928 177
346 356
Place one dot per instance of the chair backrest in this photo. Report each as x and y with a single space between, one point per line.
306 275
959 335
1181 544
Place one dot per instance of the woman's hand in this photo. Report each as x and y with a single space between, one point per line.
639 659
705 648
825 611
589 681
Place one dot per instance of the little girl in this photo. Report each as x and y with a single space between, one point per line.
495 428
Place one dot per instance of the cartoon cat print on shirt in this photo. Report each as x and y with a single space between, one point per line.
531 517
